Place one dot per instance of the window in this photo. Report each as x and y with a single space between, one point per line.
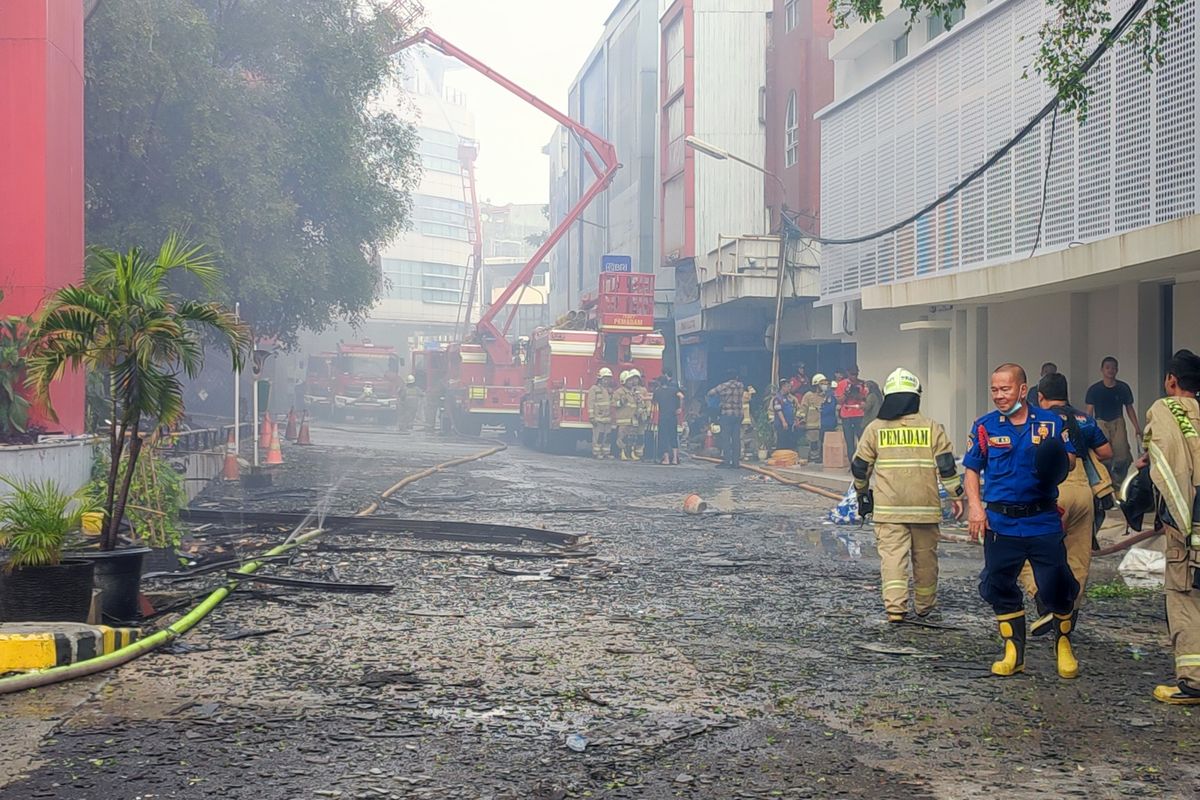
673 51
791 152
439 150
423 281
937 24
900 48
440 216
791 14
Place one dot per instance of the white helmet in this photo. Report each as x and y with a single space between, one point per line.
818 379
633 373
604 372
901 380
410 379
624 376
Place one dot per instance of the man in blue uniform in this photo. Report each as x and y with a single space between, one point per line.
1024 453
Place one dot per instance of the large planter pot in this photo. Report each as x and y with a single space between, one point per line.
61 593
118 577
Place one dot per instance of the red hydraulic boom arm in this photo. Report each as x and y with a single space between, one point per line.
493 338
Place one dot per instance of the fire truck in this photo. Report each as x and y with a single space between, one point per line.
485 375
614 329
359 380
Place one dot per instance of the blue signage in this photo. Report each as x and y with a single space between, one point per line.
611 263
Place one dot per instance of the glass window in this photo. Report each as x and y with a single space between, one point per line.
937 24
673 45
675 136
791 14
420 280
900 48
439 150
791 152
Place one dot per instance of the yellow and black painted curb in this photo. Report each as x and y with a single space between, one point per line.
27 646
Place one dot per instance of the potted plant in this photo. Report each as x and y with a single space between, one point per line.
36 583
156 498
125 321
764 432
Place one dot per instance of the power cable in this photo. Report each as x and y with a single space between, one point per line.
1111 36
1037 239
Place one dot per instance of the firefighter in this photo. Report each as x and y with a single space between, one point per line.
810 411
641 415
1172 464
410 407
1024 454
904 454
600 412
625 405
1076 497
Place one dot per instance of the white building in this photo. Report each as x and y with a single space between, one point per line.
1111 268
424 269
614 95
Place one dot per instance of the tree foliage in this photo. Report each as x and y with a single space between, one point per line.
254 127
1066 40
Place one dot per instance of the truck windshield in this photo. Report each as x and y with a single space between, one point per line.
365 366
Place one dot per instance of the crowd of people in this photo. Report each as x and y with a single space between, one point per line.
1035 488
632 421
802 411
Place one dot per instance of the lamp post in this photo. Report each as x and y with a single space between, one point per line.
712 151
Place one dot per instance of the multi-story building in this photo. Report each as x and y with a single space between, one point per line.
511 235
1095 258
743 77
423 271
614 95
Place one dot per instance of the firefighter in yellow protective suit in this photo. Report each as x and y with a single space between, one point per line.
600 413
625 408
900 458
642 414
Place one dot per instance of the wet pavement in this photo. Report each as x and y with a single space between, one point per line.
737 655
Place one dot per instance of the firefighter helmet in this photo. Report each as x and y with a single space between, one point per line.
624 376
901 380
604 372
410 379
634 373
818 379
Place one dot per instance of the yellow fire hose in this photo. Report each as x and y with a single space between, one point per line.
192 618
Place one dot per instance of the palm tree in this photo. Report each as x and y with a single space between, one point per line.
126 322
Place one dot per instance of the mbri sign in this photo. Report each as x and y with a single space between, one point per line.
612 263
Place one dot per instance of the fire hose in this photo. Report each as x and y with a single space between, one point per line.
185 623
808 487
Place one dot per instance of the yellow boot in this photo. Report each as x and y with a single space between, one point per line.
1177 694
1068 667
1012 630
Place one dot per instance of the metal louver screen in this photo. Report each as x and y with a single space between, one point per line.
900 143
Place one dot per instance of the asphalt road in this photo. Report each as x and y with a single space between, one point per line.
738 655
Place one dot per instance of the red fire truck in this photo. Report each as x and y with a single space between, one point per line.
360 380
614 329
485 377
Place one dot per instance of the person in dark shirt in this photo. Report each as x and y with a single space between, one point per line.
1049 368
1109 401
668 397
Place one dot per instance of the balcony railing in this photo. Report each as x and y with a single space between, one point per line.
745 267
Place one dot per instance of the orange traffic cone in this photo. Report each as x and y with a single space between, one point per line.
264 432
290 432
709 444
303 437
230 471
274 455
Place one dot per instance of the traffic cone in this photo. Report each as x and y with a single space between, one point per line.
230 471
290 432
709 444
303 437
274 455
264 432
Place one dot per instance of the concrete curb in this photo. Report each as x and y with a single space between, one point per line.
28 646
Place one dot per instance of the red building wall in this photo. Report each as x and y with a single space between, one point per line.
41 165
798 61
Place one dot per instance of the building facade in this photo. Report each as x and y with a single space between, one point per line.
1079 244
614 95
743 77
424 270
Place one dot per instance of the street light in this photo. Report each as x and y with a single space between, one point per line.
712 151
